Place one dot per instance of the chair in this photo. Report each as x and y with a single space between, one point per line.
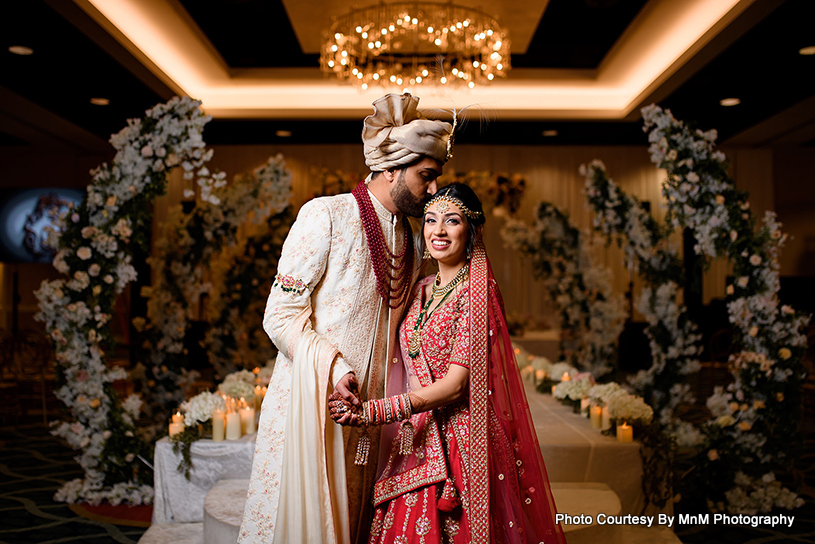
9 387
32 355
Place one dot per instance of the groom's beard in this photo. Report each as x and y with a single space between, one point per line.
405 201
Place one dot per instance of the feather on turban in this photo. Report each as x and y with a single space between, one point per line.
396 134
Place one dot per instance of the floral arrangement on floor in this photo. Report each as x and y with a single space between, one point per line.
189 242
674 339
754 423
96 242
591 314
236 338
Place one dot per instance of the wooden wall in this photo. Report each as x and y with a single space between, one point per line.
776 179
551 174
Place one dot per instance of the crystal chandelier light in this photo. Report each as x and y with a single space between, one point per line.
413 43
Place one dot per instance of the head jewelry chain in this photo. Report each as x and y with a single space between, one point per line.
444 200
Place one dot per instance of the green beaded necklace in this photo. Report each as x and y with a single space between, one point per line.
415 345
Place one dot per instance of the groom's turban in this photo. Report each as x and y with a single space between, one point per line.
396 134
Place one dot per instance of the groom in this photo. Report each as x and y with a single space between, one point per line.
343 279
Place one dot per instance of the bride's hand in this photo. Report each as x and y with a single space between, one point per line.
342 411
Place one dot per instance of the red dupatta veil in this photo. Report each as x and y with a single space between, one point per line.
510 497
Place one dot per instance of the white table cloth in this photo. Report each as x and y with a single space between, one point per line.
574 452
179 500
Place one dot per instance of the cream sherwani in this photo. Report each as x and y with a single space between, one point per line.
326 317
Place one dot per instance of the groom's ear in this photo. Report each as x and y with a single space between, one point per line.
389 174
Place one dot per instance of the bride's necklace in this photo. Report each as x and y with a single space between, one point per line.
415 345
442 290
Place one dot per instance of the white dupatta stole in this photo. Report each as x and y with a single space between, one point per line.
313 455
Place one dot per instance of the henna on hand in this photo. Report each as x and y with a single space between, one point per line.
341 411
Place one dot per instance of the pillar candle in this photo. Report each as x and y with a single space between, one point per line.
217 425
176 428
178 418
260 392
584 407
566 377
606 419
625 433
248 420
233 426
540 375
553 390
596 418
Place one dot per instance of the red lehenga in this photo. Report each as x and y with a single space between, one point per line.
479 458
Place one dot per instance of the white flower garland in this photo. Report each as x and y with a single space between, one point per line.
752 424
592 315
674 339
95 253
236 338
189 242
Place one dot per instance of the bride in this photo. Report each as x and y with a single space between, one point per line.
459 461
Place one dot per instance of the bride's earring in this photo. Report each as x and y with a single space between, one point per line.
426 255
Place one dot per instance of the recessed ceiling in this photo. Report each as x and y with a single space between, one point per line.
581 67
657 42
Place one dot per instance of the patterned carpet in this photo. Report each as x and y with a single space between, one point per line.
34 464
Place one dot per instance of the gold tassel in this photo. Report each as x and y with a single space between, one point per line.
406 438
363 448
449 500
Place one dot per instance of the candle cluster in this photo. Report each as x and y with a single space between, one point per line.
235 421
231 416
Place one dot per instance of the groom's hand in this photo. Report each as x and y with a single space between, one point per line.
348 389
346 392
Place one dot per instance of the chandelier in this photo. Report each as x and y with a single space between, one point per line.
414 43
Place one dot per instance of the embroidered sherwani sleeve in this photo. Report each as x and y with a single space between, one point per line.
301 268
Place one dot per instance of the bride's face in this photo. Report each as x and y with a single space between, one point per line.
445 233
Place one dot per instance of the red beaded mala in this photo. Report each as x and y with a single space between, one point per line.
384 268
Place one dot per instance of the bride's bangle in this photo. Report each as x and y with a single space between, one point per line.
387 410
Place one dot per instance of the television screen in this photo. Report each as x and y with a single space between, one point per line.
24 214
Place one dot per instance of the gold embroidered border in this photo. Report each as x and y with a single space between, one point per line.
479 437
432 471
